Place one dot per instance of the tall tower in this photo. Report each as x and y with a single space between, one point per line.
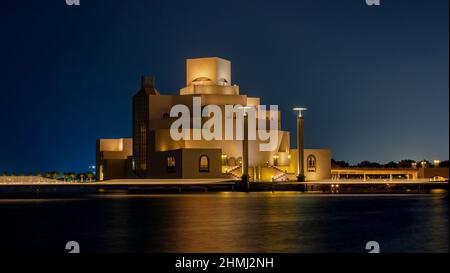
141 133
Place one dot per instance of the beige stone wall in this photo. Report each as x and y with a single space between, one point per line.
114 169
206 99
433 172
114 148
210 89
164 142
230 148
213 68
159 105
253 101
323 164
158 165
191 159
111 157
122 145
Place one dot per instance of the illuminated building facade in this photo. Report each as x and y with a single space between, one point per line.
152 152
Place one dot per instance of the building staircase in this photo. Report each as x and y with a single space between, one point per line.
236 173
282 175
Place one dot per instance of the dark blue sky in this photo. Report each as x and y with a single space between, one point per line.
375 78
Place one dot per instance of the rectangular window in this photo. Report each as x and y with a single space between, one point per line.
171 167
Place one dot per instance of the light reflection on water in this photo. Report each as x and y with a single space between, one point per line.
228 222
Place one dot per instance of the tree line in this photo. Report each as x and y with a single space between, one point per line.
66 177
405 163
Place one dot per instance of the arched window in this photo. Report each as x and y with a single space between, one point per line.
311 163
171 167
232 161
203 164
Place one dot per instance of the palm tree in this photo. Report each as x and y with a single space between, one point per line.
39 175
90 176
55 175
73 176
5 173
66 177
82 175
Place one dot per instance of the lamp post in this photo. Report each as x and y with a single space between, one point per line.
245 178
436 163
300 145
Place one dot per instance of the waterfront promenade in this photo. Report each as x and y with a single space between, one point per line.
38 181
33 186
30 180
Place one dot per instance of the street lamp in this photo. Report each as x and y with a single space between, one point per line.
300 110
436 163
224 160
300 144
245 178
275 159
423 163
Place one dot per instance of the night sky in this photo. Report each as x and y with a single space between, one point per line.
374 78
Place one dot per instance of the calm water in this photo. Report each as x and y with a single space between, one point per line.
227 222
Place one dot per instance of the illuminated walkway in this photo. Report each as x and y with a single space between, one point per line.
370 182
219 181
35 180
